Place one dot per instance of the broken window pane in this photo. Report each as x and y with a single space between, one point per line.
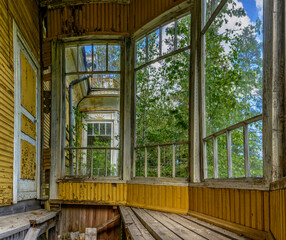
140 52
222 156
85 58
237 153
113 57
153 45
168 38
184 31
99 57
210 159
71 59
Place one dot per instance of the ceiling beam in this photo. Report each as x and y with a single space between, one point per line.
61 3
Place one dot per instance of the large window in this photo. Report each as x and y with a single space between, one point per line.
92 78
162 101
233 89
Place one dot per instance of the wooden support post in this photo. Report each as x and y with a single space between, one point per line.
134 163
91 163
159 161
105 162
215 157
77 164
174 161
229 159
246 150
145 174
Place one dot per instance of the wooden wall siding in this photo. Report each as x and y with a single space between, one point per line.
158 197
143 11
77 218
278 214
249 208
6 105
26 15
98 193
96 18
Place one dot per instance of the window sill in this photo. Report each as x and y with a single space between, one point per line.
159 181
91 180
239 183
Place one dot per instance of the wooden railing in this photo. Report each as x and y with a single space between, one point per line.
159 147
84 161
227 131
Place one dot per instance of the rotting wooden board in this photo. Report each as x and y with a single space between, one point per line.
135 228
158 230
222 231
181 231
32 234
203 231
12 224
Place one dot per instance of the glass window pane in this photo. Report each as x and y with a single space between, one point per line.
102 129
255 149
84 58
152 162
210 7
153 45
233 65
162 97
99 57
105 81
96 129
141 52
182 153
166 161
71 59
222 156
237 153
168 38
113 57
210 159
89 129
184 31
108 129
140 162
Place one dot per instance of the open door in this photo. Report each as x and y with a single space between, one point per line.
27 122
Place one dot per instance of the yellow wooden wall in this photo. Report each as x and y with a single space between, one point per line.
143 11
248 208
278 214
6 105
86 19
98 193
26 17
158 197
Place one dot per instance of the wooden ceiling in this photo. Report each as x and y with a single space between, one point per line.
59 3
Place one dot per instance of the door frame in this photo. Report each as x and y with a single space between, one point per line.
19 43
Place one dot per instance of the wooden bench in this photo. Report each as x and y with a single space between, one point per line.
149 224
27 225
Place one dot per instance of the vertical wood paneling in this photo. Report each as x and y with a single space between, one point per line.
249 208
77 218
101 18
102 193
168 198
277 214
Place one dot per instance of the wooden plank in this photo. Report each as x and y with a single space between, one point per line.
90 234
192 226
176 228
214 228
158 230
32 234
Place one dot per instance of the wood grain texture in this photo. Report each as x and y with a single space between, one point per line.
244 207
28 161
99 193
278 214
28 127
158 197
6 105
78 218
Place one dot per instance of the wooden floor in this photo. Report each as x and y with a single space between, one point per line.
16 226
147 224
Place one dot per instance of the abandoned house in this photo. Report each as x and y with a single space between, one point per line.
142 119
